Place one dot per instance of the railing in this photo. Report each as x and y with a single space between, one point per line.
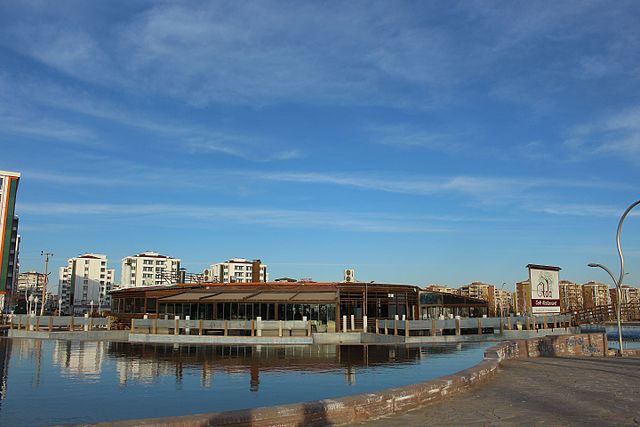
470 325
56 323
607 313
224 327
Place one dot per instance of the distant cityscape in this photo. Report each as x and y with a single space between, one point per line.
85 282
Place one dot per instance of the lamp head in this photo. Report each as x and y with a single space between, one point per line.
591 264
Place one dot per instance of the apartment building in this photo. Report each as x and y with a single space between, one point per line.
9 240
483 291
30 282
440 288
571 298
237 270
629 295
149 269
85 282
523 297
503 302
594 294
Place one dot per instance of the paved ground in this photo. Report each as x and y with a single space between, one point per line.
541 392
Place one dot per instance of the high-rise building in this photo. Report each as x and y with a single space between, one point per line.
13 268
237 270
8 234
86 279
594 294
149 269
570 296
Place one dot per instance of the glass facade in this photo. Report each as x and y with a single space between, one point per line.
434 305
322 313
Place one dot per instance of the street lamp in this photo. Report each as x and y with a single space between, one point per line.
59 307
618 283
91 312
30 304
618 311
35 311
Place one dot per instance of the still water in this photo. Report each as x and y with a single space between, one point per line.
630 337
55 382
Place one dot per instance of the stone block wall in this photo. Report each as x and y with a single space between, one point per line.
580 345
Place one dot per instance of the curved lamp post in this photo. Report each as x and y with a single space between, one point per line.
618 283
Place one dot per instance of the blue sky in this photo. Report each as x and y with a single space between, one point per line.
417 142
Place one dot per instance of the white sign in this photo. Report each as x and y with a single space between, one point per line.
545 292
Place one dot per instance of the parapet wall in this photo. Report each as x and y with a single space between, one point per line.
351 409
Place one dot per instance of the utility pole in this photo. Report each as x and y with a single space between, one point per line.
46 256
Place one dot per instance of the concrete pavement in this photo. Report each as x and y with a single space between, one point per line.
541 392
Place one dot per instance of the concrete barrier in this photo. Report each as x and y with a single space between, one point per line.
70 335
218 339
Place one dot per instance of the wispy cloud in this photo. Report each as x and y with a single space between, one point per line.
412 137
260 53
481 187
24 102
617 134
350 221
517 191
577 209
18 121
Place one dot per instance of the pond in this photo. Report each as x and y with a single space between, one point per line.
60 382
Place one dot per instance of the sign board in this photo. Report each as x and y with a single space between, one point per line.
545 292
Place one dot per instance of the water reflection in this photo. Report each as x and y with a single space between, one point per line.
147 362
75 378
81 360
5 354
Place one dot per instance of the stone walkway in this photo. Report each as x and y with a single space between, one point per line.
541 392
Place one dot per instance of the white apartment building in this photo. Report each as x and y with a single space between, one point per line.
237 270
30 282
149 269
84 280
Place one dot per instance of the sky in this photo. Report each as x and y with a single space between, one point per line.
416 142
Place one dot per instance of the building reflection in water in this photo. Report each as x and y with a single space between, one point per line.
5 355
147 362
79 359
